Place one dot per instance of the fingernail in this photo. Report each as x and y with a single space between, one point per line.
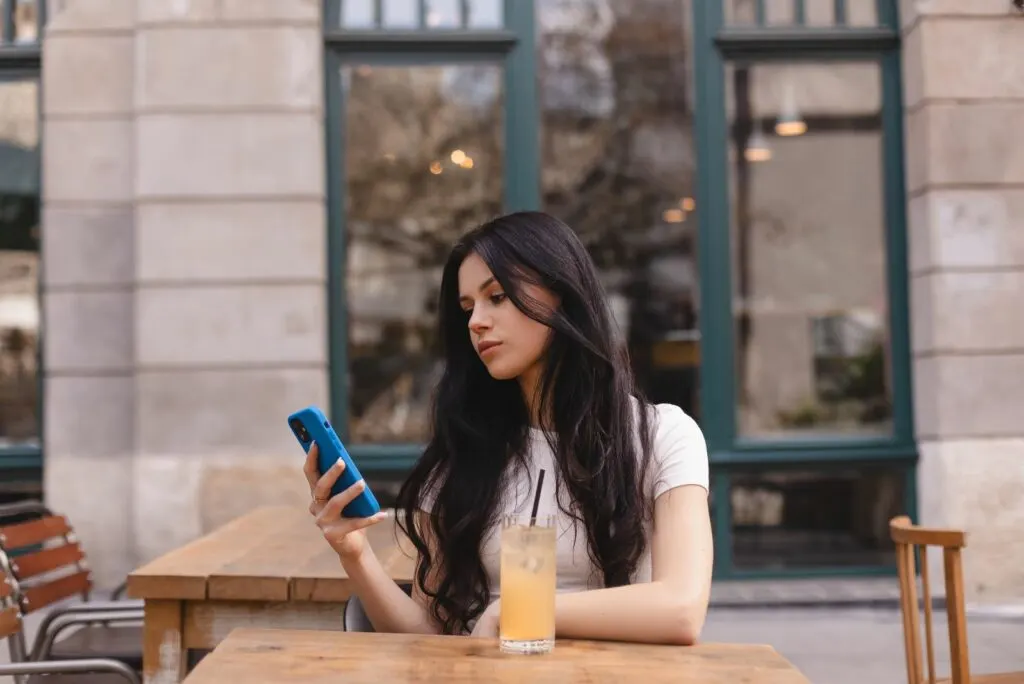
339 464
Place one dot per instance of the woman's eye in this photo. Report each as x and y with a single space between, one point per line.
497 298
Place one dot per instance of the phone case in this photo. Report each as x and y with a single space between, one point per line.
330 449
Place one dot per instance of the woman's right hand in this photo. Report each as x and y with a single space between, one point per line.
345 535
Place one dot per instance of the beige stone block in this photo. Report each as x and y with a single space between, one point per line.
88 74
978 486
208 11
230 67
913 10
68 16
235 326
273 10
88 160
981 228
257 241
176 11
972 312
211 155
224 413
165 508
916 153
88 330
913 68
88 246
89 417
231 489
95 493
964 144
971 60
965 396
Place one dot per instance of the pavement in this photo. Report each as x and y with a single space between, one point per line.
857 645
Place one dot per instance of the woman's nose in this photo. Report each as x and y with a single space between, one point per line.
479 322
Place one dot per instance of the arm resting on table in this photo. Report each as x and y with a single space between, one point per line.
671 608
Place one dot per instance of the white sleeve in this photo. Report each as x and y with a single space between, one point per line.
680 453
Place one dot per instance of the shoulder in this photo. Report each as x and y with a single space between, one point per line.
679 451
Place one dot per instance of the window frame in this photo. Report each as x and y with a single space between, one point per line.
22 62
715 44
512 46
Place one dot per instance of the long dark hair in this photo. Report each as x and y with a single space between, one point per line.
601 443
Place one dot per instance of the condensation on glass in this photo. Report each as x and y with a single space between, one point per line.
808 250
19 263
617 102
785 520
423 163
392 15
796 13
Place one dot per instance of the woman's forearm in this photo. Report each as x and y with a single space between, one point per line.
649 612
389 608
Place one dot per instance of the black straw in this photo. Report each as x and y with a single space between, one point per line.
536 498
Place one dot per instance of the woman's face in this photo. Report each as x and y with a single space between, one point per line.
509 342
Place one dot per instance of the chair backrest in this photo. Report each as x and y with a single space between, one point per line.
45 560
909 537
355 618
10 616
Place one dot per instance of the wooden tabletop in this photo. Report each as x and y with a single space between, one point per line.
271 554
258 656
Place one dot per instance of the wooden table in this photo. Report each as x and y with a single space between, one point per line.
269 568
274 656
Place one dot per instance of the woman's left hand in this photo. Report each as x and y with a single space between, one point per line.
488 622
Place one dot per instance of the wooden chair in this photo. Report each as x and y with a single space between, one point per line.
907 537
45 566
97 671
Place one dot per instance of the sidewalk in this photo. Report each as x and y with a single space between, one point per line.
857 645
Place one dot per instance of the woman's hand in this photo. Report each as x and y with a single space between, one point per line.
345 535
489 622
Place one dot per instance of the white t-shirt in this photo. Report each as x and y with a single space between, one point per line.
680 458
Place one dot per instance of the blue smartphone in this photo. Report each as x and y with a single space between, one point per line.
310 425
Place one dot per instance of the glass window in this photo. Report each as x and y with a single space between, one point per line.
808 243
19 263
788 520
815 13
421 14
26 29
617 101
423 164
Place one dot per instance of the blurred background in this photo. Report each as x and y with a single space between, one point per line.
806 213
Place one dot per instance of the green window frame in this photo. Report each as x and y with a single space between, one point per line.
22 61
717 43
513 46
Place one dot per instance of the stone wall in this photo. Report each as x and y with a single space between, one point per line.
185 264
964 96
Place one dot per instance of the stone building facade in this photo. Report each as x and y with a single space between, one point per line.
184 280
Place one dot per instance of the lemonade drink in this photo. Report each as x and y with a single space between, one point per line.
527 585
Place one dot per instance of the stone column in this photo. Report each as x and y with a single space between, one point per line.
88 297
964 90
230 301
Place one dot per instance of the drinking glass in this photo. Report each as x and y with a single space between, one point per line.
527 620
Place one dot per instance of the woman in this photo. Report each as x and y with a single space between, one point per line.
534 379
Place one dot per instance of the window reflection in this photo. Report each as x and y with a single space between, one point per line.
807 519
423 163
618 166
19 263
808 238
857 13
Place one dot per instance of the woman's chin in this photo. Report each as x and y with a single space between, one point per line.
501 371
